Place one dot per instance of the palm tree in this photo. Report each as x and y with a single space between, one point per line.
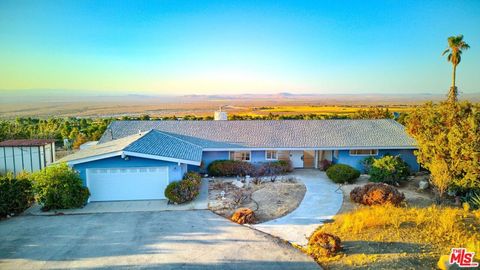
454 50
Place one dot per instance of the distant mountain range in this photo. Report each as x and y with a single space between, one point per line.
27 96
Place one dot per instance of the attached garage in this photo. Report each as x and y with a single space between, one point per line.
119 184
137 167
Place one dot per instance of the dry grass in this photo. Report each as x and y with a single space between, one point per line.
327 109
387 237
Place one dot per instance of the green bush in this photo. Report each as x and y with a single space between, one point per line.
59 187
16 194
389 169
184 190
341 173
171 192
230 168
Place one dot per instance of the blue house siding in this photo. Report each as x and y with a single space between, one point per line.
175 171
356 161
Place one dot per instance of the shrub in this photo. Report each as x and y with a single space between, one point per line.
323 244
341 173
367 164
193 176
16 194
59 187
230 168
243 216
377 194
389 169
171 192
184 190
286 165
325 164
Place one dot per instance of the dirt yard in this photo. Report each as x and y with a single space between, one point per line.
269 200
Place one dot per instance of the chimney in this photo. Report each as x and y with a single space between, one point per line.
220 115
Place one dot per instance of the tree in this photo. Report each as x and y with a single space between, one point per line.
455 47
79 140
448 138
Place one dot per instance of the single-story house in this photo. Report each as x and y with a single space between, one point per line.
28 155
136 160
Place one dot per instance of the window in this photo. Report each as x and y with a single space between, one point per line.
364 152
271 155
240 155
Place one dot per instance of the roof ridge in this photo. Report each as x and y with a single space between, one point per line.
142 134
171 136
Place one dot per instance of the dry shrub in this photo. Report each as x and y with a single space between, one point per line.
377 194
323 244
243 216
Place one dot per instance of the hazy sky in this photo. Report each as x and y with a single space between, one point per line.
204 47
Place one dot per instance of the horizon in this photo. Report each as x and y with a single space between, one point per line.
216 47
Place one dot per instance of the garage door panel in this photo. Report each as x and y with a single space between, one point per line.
117 184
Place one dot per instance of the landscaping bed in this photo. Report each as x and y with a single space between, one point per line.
413 195
269 200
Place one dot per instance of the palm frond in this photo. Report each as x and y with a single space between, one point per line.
446 51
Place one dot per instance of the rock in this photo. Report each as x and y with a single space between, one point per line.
423 185
238 184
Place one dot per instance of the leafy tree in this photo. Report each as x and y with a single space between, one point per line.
79 140
455 47
448 137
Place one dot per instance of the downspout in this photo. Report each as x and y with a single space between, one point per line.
13 157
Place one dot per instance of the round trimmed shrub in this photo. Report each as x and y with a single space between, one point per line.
184 190
341 173
171 192
323 244
59 187
16 194
388 169
377 194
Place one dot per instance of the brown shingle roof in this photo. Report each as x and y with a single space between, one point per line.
32 142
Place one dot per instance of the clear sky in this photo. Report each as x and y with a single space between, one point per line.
206 47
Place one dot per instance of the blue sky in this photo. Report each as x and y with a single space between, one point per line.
206 47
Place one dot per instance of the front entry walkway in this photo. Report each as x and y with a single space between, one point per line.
321 202
200 203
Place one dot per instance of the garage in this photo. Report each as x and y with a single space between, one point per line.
120 184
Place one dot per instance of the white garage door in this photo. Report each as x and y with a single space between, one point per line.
127 183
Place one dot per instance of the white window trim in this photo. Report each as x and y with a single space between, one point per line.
363 155
276 155
232 155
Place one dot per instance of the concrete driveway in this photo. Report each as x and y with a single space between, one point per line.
158 240
322 201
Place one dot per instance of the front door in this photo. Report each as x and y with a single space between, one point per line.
296 157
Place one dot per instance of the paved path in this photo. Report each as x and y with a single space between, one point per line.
200 203
321 202
142 240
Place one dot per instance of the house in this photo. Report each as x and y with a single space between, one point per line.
26 155
136 160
